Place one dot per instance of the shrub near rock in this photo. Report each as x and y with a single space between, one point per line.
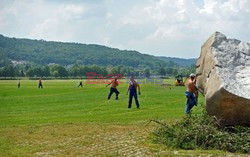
204 132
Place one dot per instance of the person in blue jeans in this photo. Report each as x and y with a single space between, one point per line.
191 94
132 89
113 88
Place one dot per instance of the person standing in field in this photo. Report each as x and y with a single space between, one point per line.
132 89
80 83
40 85
18 84
191 93
114 84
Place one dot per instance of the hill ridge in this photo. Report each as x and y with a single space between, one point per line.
69 53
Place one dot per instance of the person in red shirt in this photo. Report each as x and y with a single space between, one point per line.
113 89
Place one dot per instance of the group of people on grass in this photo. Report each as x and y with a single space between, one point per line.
191 93
40 84
134 88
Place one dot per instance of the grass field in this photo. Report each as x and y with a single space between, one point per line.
63 120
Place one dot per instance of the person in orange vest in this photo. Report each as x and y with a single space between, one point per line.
113 89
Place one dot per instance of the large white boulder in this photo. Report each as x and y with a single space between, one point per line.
223 76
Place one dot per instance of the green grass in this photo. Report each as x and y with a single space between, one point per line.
63 120
62 102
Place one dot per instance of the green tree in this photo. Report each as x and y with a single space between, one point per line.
1 72
74 71
53 68
115 70
104 71
96 69
21 73
83 70
162 71
55 74
62 72
175 72
35 71
4 61
147 72
169 71
30 72
11 71
46 71
38 71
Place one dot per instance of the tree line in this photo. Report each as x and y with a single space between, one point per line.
59 71
39 58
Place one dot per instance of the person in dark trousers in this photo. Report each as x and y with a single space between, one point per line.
191 94
18 84
80 83
40 85
114 84
132 88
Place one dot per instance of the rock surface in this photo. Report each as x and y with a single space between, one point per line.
223 76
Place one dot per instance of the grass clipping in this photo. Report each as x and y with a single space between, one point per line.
203 132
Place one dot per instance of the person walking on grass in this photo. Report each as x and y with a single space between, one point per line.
18 84
114 84
40 85
132 89
191 93
80 83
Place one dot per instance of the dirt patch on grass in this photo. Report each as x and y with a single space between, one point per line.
86 140
79 140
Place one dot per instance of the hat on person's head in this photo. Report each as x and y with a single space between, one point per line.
192 75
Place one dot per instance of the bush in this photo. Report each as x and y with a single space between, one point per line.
203 131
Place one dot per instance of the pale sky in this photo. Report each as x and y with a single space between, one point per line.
175 28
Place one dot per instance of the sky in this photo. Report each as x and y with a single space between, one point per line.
175 28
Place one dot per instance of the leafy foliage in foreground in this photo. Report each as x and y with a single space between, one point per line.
203 131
